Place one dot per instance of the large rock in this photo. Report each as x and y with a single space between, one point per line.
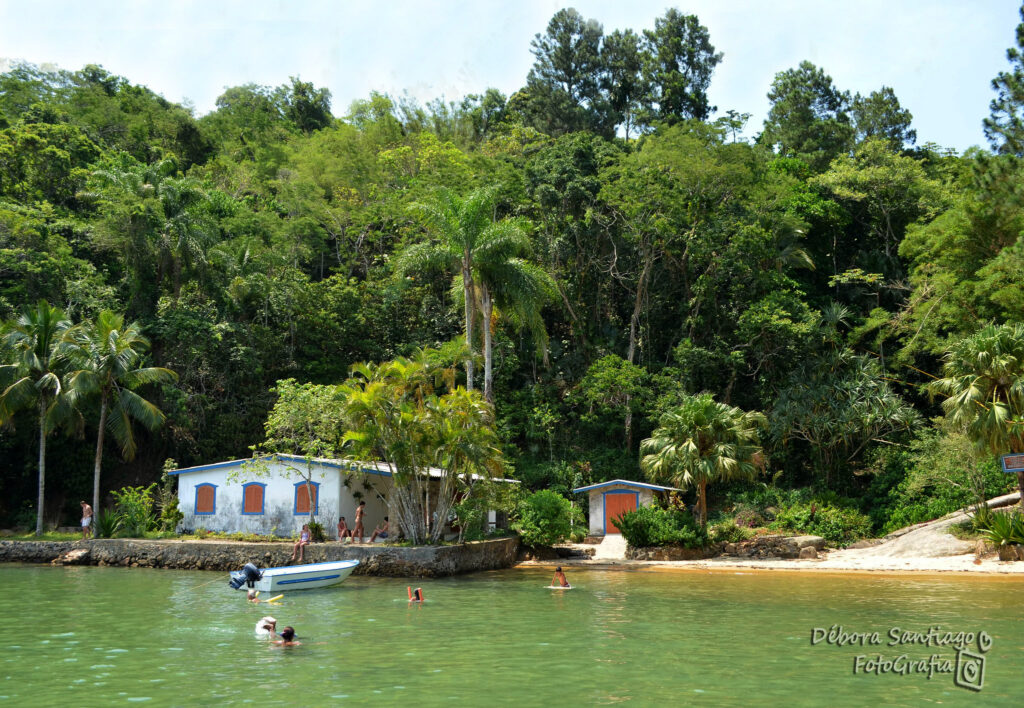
808 553
775 546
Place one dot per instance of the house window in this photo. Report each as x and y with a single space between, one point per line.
307 494
206 499
252 498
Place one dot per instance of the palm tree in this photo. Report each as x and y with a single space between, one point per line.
984 389
107 356
32 355
463 228
517 287
155 219
703 441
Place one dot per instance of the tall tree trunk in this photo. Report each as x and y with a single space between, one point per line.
487 308
1020 486
42 465
634 327
702 503
309 498
467 285
99 457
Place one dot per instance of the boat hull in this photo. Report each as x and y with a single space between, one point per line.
304 577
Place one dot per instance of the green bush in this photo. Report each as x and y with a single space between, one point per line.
729 532
316 532
837 524
106 524
655 526
1005 528
134 509
544 518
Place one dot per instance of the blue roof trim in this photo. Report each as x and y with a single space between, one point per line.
626 483
344 466
215 465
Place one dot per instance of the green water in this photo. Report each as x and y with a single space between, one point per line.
85 636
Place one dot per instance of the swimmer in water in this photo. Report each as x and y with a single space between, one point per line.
559 579
287 638
253 596
266 628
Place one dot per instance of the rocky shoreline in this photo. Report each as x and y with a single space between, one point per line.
376 560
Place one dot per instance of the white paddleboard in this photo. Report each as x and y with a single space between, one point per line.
558 587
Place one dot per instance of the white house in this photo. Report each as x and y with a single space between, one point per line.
609 500
235 497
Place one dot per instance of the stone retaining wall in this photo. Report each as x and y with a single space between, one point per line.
389 561
771 546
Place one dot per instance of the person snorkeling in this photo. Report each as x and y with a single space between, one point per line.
288 638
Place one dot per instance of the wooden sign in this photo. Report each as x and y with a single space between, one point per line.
1013 463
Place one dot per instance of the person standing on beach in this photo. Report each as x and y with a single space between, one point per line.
359 531
86 520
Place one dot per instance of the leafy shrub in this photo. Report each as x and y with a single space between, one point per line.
316 532
837 524
729 532
134 509
655 526
544 518
940 473
1005 528
167 499
106 524
748 518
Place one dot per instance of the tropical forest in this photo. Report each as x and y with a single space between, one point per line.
815 324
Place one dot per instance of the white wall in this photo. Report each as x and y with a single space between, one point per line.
279 517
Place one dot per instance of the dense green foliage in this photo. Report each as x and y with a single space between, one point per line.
133 507
656 526
640 253
543 518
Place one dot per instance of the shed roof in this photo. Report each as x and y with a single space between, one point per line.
378 468
627 483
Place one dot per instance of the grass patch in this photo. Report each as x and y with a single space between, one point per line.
966 531
47 536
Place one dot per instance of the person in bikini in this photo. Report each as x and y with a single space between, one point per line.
358 531
343 530
300 545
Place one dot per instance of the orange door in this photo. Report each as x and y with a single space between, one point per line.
614 505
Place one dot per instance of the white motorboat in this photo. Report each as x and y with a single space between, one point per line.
292 577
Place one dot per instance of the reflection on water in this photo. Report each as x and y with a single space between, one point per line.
109 636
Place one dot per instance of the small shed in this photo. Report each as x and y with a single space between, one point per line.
610 499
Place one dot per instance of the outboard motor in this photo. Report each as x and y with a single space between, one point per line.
248 575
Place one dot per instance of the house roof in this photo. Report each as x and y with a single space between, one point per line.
378 468
627 483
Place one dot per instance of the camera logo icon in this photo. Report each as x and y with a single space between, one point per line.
970 670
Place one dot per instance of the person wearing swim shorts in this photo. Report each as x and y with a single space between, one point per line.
86 520
381 531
